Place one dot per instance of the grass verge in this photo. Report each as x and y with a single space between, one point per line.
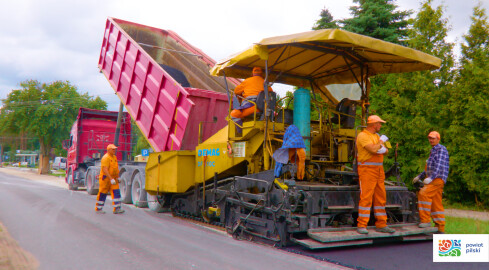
457 225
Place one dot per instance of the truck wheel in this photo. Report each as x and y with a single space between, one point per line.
90 180
125 188
71 185
139 195
154 204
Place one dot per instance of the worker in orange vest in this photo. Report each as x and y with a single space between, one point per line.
434 178
109 182
249 89
371 151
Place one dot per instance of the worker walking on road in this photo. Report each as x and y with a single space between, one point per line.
371 151
249 89
434 178
109 182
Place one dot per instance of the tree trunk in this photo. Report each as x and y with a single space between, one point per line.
43 158
43 164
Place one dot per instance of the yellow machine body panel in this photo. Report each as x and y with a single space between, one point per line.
174 173
178 171
220 155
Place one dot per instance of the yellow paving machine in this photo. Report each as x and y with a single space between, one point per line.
228 179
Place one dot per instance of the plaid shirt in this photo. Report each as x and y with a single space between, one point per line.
437 164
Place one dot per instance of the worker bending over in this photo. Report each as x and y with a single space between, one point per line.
249 89
294 150
434 178
109 182
371 151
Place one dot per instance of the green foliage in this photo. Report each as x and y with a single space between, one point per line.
325 21
415 103
378 19
45 111
139 140
468 111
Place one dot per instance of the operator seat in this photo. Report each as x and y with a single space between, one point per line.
260 103
345 106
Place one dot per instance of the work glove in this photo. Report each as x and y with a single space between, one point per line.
415 179
113 181
384 138
382 150
427 180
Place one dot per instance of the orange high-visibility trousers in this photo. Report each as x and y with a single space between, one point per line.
104 188
430 204
372 190
243 113
298 156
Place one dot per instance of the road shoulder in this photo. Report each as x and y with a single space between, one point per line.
32 174
12 256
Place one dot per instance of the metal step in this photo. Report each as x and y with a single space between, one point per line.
349 234
340 237
313 244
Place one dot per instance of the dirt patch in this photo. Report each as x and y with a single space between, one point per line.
12 256
467 214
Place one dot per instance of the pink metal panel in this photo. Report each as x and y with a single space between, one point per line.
158 104
208 104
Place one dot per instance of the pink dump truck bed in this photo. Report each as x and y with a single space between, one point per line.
164 83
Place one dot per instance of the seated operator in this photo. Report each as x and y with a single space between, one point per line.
249 89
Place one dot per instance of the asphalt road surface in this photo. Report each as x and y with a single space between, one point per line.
60 228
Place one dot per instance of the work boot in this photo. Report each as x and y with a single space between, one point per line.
424 225
119 211
385 229
100 212
362 230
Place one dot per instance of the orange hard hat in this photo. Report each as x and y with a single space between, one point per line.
111 146
434 134
257 70
374 119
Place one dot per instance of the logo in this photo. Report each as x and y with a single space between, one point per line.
449 248
215 152
461 248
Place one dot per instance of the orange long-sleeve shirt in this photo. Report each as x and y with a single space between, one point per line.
251 86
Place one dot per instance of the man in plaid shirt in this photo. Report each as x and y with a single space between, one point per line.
434 179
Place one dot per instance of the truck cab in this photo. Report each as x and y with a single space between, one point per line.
90 134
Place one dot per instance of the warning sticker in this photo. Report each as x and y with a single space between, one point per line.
239 149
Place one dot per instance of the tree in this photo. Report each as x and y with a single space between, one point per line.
415 103
45 111
469 107
138 139
378 19
325 21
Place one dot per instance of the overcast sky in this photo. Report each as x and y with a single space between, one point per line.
50 40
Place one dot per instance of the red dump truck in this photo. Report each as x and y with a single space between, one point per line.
92 131
165 85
